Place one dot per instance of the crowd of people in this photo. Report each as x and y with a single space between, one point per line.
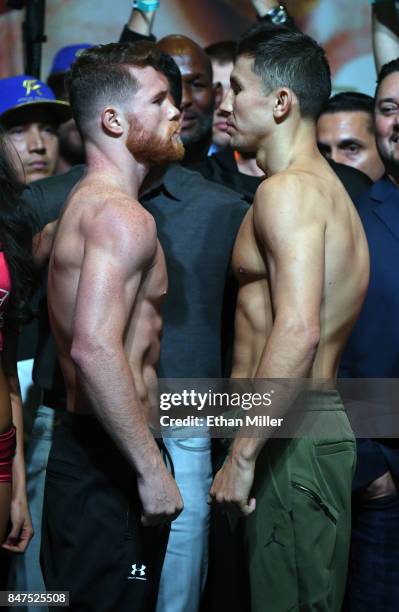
169 211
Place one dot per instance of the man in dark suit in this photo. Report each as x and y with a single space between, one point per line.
373 352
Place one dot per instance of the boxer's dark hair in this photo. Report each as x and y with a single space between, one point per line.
170 69
288 58
101 75
223 51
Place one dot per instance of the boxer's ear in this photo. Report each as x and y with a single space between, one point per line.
284 99
111 121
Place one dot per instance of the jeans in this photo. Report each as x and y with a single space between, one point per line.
25 572
30 393
186 562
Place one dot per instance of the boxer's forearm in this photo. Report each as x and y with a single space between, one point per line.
107 382
286 361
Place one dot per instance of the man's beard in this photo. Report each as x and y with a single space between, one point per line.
391 163
150 148
387 154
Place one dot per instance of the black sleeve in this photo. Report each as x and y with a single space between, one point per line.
33 198
354 181
47 196
130 36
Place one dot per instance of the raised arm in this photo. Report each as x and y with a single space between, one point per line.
119 247
385 27
141 22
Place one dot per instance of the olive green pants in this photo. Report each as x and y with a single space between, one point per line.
298 537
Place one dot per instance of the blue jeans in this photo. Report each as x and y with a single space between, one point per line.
25 572
186 562
30 394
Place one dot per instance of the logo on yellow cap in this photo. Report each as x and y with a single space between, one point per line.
31 85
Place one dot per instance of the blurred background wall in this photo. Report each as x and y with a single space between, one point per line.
343 27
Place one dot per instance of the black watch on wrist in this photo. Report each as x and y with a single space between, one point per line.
277 15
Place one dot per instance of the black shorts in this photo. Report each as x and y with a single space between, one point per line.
93 543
